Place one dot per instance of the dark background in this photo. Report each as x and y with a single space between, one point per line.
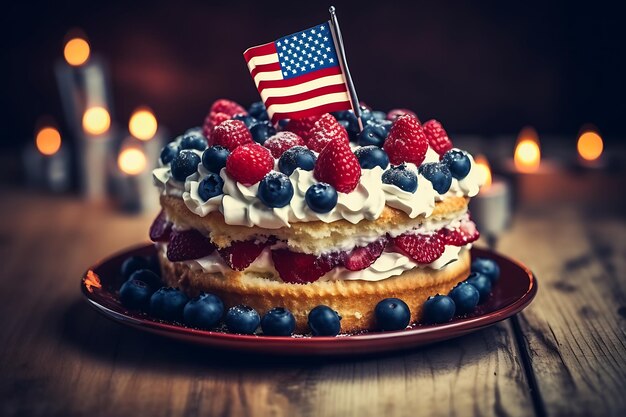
483 68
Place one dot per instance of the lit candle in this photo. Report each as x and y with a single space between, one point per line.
46 162
133 180
95 149
143 125
590 147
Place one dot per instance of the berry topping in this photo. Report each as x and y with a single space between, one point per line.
275 190
337 166
465 233
168 304
324 130
278 322
261 131
482 284
231 134
402 177
348 120
371 156
249 163
465 296
169 152
300 268
281 142
372 134
240 254
361 257
135 294
458 162
193 140
438 309
296 157
321 197
147 276
258 111
242 319
438 174
406 141
160 229
213 120
184 164
437 137
301 127
487 267
393 114
214 158
187 245
131 265
392 314
248 120
226 106
423 249
324 321
204 312
210 186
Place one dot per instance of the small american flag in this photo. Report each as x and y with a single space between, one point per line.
300 75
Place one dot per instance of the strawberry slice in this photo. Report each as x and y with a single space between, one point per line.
460 236
361 257
301 268
160 229
188 245
338 166
240 254
423 249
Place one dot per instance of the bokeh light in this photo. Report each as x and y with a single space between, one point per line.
48 140
143 125
132 161
96 120
527 152
76 51
590 145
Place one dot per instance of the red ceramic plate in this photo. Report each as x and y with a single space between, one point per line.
515 289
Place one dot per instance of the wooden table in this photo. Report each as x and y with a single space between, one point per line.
564 355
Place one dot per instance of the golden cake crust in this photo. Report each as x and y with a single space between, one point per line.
353 300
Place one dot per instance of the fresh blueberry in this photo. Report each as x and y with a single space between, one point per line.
135 294
321 197
154 264
385 124
486 267
324 321
465 296
366 116
242 319
458 162
132 264
278 322
283 123
214 158
205 311
210 186
402 177
482 284
169 152
168 303
193 140
372 134
392 314
185 164
438 174
379 116
148 276
248 120
438 309
261 131
275 190
372 156
351 123
194 130
258 111
296 157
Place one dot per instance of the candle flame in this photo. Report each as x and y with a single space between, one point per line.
590 145
527 151
96 120
48 140
143 125
132 161
484 170
76 51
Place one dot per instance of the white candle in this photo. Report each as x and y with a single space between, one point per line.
95 149
46 162
491 208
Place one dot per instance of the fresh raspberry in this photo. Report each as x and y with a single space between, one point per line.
187 245
282 141
240 254
460 236
160 229
249 163
302 126
406 141
324 130
437 137
211 121
361 257
393 114
227 106
338 166
423 249
300 268
231 134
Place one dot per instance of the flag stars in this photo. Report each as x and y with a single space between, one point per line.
319 35
312 65
331 60
325 38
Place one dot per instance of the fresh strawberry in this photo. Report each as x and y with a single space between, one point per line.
249 163
301 127
338 166
393 114
211 121
300 268
423 249
230 134
160 229
228 107
187 245
406 141
282 141
240 254
437 137
324 130
361 257
460 236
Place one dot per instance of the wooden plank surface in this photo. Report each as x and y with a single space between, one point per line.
59 357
